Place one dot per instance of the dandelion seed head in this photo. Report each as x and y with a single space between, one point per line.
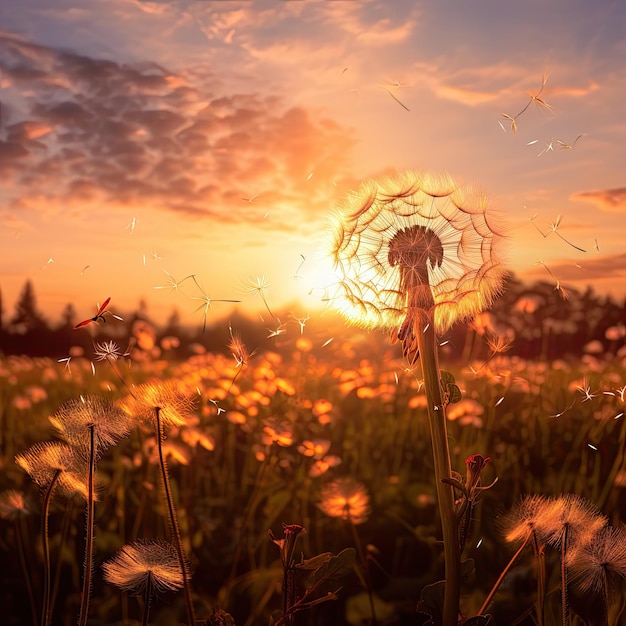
13 504
142 562
75 418
45 461
174 406
411 240
347 499
594 565
525 519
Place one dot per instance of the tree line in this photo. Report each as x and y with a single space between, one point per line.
538 320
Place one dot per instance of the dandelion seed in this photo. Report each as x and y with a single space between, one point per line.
327 342
533 98
309 176
297 275
207 302
108 351
251 199
66 360
565 410
549 148
131 226
558 287
565 146
596 246
553 229
585 389
594 448
93 368
258 286
280 329
85 269
480 543
48 262
406 108
500 401
156 257
171 283
301 321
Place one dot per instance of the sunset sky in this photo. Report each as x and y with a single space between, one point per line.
142 140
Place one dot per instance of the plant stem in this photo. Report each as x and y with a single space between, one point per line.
366 573
173 519
504 572
19 534
88 564
45 609
146 602
427 342
564 599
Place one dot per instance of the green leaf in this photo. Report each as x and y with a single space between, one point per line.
335 566
315 561
431 600
454 394
446 378
478 620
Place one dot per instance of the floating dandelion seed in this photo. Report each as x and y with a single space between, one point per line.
565 146
301 321
171 283
533 98
406 108
411 242
557 287
280 329
207 302
131 226
258 286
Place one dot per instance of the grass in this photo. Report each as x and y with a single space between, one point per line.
259 451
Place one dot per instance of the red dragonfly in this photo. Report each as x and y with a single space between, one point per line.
98 317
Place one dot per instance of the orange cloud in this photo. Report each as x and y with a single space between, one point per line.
123 135
613 200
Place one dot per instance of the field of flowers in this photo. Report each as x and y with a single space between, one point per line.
323 428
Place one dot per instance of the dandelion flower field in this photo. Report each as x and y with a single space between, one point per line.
332 436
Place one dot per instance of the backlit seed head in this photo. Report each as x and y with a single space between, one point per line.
411 241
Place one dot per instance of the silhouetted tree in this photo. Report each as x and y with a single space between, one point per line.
26 317
68 316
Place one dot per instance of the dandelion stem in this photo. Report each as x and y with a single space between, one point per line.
45 610
19 534
88 564
173 519
564 600
504 572
366 573
427 343
146 602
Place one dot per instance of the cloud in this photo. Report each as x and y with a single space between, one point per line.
93 130
613 200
